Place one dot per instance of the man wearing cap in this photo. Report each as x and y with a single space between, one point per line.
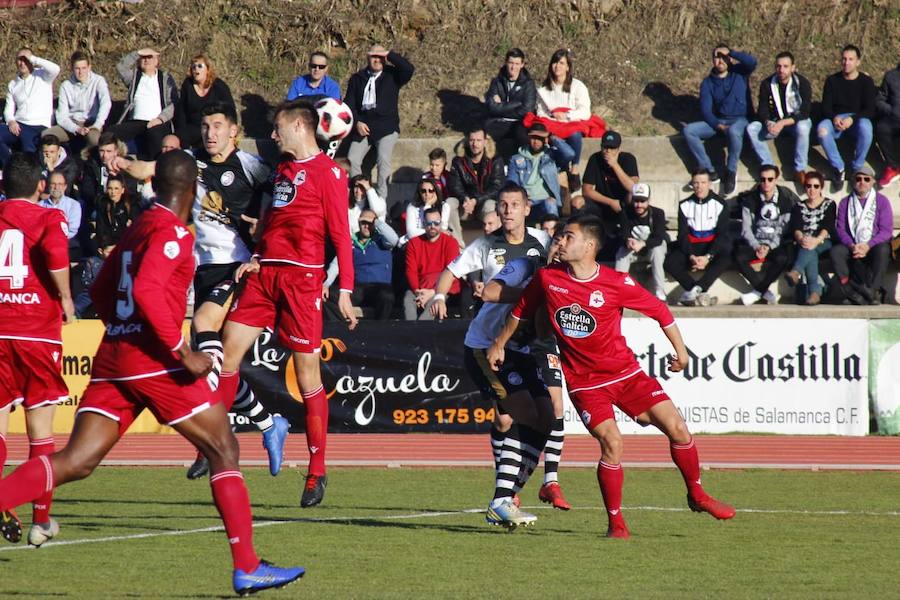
862 252
373 94
534 169
150 104
608 179
643 228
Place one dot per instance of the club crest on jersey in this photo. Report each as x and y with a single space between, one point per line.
227 178
171 249
533 252
300 177
574 321
596 300
283 193
514 378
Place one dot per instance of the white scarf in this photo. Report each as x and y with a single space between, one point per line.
791 96
368 102
861 219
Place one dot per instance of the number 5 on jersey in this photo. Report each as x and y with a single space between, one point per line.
125 306
12 263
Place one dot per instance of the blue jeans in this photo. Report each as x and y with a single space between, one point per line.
695 133
758 135
861 130
26 141
807 263
566 151
539 208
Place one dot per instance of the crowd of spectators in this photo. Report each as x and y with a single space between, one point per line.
531 135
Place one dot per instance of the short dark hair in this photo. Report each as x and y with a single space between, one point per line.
785 54
300 108
21 175
175 171
77 56
316 53
854 48
475 128
221 108
512 188
817 175
700 171
547 218
438 154
49 140
106 138
433 209
773 168
514 53
590 226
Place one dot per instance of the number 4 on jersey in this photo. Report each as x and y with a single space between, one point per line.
12 263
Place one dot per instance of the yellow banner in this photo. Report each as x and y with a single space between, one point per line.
80 341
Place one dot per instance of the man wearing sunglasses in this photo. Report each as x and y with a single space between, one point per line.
764 251
316 84
864 229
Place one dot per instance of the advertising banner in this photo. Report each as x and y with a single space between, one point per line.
884 370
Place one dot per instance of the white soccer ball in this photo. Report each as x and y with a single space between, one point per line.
335 120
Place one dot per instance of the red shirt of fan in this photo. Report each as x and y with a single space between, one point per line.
33 242
141 296
587 317
309 201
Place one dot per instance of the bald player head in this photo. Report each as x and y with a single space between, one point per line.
175 182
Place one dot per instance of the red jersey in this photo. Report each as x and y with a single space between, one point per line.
141 295
309 199
33 242
587 317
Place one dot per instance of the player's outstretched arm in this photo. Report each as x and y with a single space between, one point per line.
251 266
345 305
679 360
139 169
496 353
439 306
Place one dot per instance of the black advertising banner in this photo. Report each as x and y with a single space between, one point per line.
383 377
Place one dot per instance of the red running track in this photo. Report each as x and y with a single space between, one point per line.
716 451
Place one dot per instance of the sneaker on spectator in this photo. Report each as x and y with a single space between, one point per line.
837 181
704 299
751 297
729 180
891 174
661 295
813 299
769 297
689 297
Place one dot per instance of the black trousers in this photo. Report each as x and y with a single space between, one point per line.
776 262
149 140
508 135
868 271
885 130
678 265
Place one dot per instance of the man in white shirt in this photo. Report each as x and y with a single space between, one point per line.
83 106
29 104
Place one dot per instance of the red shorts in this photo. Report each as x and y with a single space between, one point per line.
31 373
172 398
286 298
633 396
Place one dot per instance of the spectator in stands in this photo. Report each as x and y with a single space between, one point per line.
812 229
608 178
848 107
372 95
83 105
511 95
150 104
373 265
169 143
54 158
533 168
428 196
563 98
69 206
364 197
547 224
316 84
703 244
644 233
427 255
476 175
96 171
437 169
864 226
764 250
201 88
784 102
29 104
887 106
115 212
725 104
491 222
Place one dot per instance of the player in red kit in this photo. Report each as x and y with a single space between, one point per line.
584 302
284 278
144 362
34 299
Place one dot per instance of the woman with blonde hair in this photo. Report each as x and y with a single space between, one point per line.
201 88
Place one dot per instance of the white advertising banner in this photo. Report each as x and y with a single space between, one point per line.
798 376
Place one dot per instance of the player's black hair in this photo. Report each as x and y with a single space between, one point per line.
221 108
590 225
175 171
512 188
299 109
21 175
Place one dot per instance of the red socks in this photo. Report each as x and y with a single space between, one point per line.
30 481
687 460
233 502
228 386
316 404
41 510
610 478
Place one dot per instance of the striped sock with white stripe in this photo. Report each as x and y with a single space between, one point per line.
553 452
209 342
245 402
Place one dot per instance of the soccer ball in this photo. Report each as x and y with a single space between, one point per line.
335 120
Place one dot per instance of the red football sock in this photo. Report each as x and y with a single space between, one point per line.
316 428
2 453
30 481
228 385
610 478
233 502
687 460
42 447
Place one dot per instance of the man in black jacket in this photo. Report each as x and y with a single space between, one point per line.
476 175
784 101
887 105
644 230
372 95
511 95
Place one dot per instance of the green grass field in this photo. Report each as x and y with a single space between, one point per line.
402 533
